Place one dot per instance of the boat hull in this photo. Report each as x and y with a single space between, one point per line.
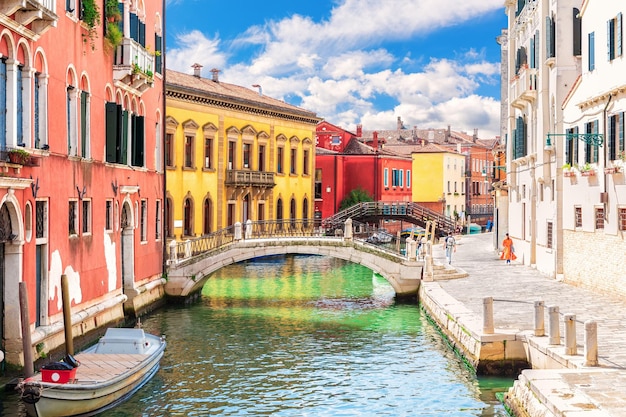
84 397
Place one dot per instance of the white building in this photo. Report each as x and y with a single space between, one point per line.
594 189
543 64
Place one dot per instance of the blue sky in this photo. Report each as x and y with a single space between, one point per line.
433 63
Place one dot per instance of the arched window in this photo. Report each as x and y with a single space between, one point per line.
292 212
279 213
206 216
169 218
305 212
188 218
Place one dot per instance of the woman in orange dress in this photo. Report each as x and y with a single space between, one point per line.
507 251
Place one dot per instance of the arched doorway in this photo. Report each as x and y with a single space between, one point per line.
246 208
127 247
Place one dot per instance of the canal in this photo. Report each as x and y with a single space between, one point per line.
303 336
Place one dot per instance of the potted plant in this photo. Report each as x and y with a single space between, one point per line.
568 171
114 35
19 156
112 11
587 170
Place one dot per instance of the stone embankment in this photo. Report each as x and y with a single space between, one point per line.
504 318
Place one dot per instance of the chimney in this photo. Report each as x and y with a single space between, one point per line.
215 73
447 137
197 70
475 137
359 130
399 124
375 141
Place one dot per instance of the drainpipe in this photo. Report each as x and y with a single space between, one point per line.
606 158
163 151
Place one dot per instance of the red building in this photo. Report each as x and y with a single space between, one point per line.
83 108
344 164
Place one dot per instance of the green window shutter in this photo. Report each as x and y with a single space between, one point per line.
610 34
610 137
575 139
123 157
596 156
83 123
111 132
592 51
618 34
620 132
138 141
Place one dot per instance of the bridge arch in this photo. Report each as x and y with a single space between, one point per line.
187 277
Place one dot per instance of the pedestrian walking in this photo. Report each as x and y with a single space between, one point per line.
449 245
508 252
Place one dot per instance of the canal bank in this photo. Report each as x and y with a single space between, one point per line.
560 384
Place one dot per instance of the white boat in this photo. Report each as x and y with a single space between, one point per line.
107 374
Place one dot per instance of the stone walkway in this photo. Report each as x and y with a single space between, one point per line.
515 288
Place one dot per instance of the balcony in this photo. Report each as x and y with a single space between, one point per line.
237 178
133 66
523 88
36 15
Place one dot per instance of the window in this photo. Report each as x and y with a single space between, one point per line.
279 160
261 164
246 155
335 140
206 216
293 160
117 121
231 155
599 211
138 141
157 216
591 151
318 183
169 149
208 153
449 189
188 152
143 220
386 177
188 218
20 93
394 177
401 177
578 217
73 218
622 218
86 217
591 51
408 178
41 219
158 51
614 37
70 6
615 135
3 102
72 146
108 216
550 38
519 138
577 32
305 162
84 124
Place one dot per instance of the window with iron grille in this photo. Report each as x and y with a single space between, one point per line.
599 218
549 236
108 216
158 220
73 217
578 217
41 217
86 217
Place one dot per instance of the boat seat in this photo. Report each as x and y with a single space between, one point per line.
123 341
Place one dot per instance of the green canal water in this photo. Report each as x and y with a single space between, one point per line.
303 336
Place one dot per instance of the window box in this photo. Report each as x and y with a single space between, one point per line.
613 170
570 173
19 156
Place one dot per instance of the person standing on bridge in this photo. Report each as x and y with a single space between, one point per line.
449 245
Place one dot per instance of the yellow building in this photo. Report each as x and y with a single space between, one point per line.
439 179
233 154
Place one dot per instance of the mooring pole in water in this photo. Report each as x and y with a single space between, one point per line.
67 315
27 345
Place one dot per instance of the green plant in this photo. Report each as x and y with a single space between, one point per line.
587 167
112 11
41 350
567 167
19 156
355 197
622 156
91 18
114 34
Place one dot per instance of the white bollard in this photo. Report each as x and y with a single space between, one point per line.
187 248
488 327
238 231
411 248
540 329
347 233
554 330
248 229
570 334
173 254
591 343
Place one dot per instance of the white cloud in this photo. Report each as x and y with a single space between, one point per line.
194 47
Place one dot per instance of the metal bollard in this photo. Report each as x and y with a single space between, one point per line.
591 343
570 334
554 330
488 315
540 328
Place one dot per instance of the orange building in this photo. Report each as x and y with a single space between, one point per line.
82 103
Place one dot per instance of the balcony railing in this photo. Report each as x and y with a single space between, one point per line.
242 178
524 87
39 14
133 65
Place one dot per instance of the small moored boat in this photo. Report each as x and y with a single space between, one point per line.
95 379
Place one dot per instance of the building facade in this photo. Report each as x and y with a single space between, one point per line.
82 184
543 60
594 154
233 155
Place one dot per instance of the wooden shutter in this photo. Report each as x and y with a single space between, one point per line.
111 132
83 123
123 156
138 139
3 103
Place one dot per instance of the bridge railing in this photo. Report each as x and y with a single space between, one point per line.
268 229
